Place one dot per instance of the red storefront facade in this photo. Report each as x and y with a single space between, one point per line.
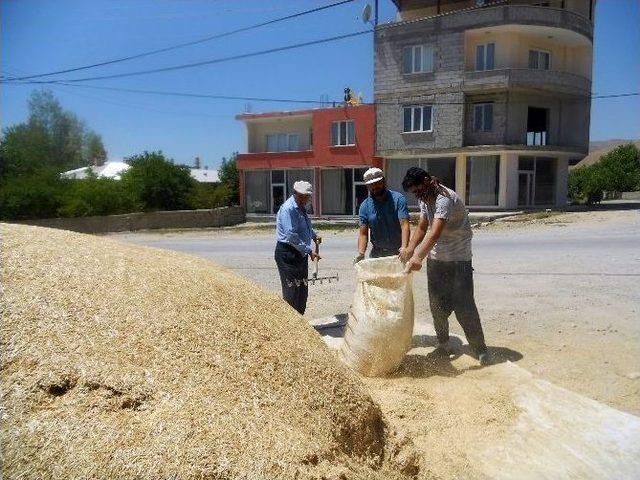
329 147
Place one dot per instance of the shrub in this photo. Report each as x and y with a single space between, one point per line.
156 183
206 196
97 196
34 196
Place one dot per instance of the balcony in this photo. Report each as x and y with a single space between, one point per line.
299 159
550 81
495 13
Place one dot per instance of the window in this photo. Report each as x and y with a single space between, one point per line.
343 133
483 174
539 60
483 117
417 59
485 56
283 142
417 119
537 126
343 190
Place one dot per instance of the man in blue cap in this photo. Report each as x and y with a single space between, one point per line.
384 216
294 235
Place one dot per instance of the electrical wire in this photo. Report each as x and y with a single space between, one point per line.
182 45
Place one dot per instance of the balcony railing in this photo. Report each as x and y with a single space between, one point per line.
553 81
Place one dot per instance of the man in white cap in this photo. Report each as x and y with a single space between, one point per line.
294 235
384 216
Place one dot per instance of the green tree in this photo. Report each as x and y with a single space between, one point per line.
156 183
95 152
51 137
230 178
620 169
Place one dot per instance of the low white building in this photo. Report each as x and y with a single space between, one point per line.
112 169
204 175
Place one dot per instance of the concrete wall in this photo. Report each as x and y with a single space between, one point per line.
217 217
257 132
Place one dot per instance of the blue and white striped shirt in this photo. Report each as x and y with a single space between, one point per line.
294 227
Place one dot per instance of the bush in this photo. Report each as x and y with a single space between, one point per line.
206 196
34 196
97 196
156 183
617 171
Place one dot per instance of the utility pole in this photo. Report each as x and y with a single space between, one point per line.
375 15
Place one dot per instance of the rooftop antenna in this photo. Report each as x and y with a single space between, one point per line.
248 107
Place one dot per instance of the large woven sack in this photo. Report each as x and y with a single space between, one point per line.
380 324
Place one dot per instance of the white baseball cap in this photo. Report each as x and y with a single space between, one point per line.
373 175
303 187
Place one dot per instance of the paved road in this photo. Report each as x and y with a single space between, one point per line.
565 296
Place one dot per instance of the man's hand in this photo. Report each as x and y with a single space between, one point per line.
313 255
317 239
414 264
405 254
358 258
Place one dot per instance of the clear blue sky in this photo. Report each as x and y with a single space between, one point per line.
41 36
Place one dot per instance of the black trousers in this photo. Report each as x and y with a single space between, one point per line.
451 290
294 271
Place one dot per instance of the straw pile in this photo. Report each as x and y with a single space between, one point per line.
121 361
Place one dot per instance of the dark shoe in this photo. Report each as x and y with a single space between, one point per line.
443 350
484 359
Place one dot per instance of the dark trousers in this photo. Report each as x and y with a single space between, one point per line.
451 290
382 252
294 270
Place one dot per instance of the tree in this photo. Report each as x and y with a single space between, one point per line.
617 171
230 178
95 154
157 183
51 137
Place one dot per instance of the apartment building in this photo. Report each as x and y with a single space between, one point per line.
329 147
493 97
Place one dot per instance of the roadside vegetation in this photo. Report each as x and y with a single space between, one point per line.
617 171
33 154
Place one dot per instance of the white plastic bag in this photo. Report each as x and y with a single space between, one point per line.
380 325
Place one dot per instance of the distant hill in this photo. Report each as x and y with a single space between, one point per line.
602 147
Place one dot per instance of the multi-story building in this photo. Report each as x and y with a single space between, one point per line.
493 97
329 147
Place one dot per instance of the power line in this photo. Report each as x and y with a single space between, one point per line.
206 62
299 101
182 45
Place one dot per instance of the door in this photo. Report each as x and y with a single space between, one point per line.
277 196
525 189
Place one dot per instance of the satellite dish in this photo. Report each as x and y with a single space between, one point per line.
366 13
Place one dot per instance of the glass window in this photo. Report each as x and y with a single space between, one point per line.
483 180
417 59
283 143
272 143
417 118
525 163
277 176
443 168
483 117
485 56
294 142
257 187
539 60
396 169
343 133
545 181
334 192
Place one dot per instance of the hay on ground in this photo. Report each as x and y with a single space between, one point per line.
121 361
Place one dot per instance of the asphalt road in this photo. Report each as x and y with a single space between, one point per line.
564 296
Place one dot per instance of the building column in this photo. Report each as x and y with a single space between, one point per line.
317 198
461 175
241 189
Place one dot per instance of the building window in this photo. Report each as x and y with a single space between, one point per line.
483 117
343 190
536 181
343 133
483 173
485 56
417 59
283 142
539 60
537 126
418 118
444 168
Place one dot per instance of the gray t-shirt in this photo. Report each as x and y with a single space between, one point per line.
454 244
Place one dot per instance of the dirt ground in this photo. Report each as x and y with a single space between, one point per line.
558 295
